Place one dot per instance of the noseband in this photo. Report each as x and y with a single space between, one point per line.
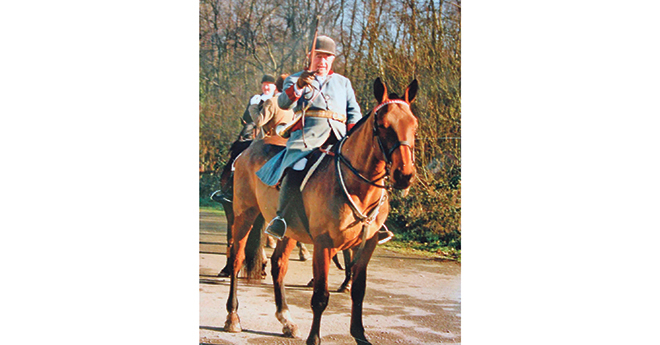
388 153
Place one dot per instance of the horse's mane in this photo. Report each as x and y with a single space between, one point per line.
359 123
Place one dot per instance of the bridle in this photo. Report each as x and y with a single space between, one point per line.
387 154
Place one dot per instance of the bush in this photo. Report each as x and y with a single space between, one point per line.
430 213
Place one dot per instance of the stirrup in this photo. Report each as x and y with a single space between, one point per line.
219 196
384 235
276 227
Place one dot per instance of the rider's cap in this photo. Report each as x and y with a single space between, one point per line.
268 79
325 44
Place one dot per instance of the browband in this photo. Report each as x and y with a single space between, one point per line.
390 102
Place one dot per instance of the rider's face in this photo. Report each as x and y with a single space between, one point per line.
323 63
267 88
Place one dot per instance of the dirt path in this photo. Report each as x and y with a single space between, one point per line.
409 299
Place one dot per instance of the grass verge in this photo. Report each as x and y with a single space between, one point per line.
208 205
430 250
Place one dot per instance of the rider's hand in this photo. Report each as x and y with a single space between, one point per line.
305 79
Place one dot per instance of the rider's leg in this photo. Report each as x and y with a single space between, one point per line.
289 192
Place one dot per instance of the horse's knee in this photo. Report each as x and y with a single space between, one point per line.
320 300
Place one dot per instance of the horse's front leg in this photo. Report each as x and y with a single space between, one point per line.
321 263
359 287
240 230
279 267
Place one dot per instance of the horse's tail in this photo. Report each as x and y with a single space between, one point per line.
254 253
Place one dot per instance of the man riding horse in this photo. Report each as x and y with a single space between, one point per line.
326 108
252 110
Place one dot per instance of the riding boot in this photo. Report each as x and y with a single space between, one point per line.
289 192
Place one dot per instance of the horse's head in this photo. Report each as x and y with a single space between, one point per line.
394 128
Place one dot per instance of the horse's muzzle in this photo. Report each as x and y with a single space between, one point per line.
401 180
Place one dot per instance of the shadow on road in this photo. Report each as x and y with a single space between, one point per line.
218 329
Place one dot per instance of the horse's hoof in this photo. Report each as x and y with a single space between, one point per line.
304 255
344 288
233 323
224 273
360 338
311 283
313 340
291 331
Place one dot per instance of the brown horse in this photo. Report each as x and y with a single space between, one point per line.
345 202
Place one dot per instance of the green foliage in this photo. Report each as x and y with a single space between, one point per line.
206 202
208 183
430 213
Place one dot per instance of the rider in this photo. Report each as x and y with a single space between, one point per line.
255 105
271 114
248 132
331 109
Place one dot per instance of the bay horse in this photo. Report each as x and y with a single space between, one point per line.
345 202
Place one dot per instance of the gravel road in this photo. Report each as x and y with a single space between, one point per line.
409 299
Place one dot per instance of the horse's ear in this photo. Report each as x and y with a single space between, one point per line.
380 91
411 92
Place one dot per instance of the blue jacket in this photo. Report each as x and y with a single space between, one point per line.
337 95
